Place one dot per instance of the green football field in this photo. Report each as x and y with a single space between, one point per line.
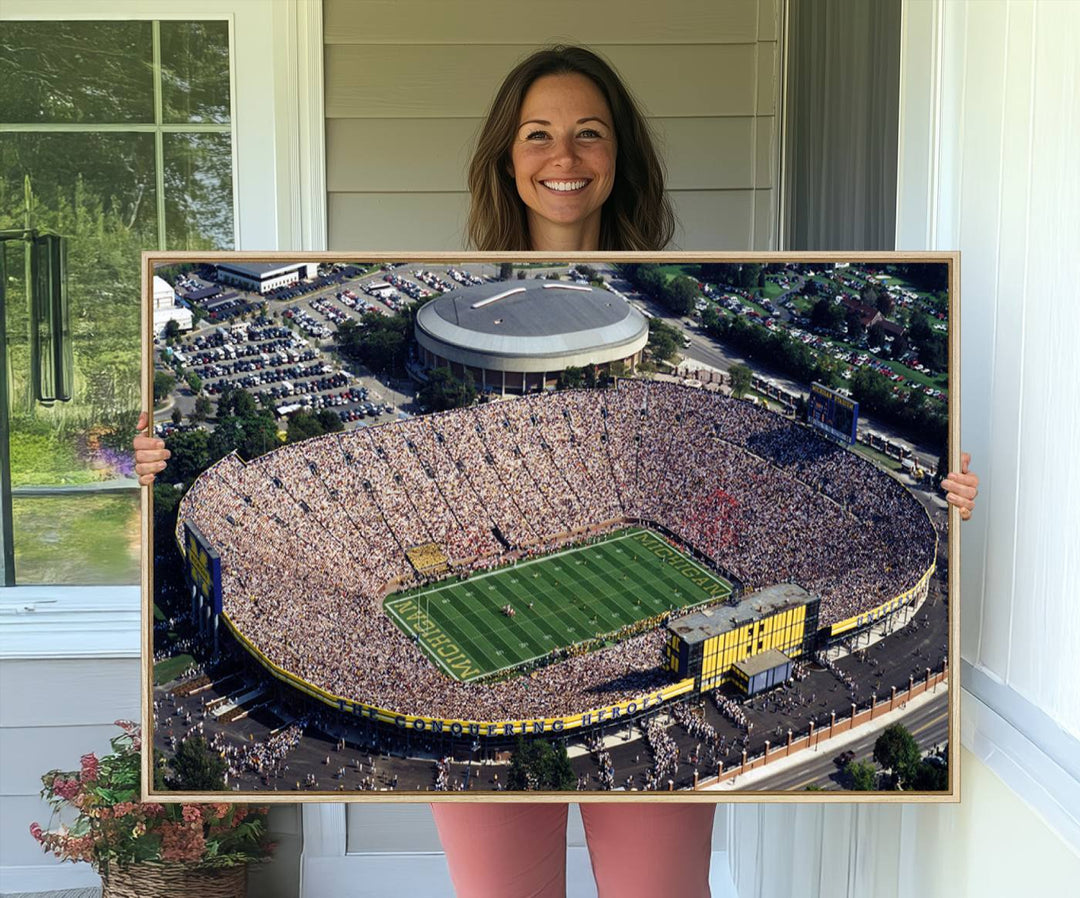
577 594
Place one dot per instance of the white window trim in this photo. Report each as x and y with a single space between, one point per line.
41 622
1034 757
280 177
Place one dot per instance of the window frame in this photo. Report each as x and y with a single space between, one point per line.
279 204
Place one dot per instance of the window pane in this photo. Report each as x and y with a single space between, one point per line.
198 191
79 540
195 71
75 505
98 190
76 72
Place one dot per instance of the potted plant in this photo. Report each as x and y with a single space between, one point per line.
147 848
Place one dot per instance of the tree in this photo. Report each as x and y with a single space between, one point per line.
899 345
827 315
855 328
571 377
177 416
741 378
237 403
190 456
202 409
885 303
197 767
871 294
194 382
748 275
251 433
919 328
875 336
862 775
169 574
331 423
506 269
663 340
537 765
680 295
304 424
171 331
163 385
710 318
445 391
872 391
934 352
521 275
930 777
897 751
377 341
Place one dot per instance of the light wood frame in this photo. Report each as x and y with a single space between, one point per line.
151 260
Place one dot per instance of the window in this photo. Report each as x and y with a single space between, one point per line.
118 136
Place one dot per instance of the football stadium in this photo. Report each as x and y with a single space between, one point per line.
550 562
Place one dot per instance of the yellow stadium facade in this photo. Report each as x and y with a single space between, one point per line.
476 728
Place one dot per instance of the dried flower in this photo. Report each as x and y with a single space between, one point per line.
112 825
90 766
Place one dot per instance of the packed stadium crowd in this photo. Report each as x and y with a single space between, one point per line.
313 535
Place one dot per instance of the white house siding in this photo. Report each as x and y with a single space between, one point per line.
408 83
52 711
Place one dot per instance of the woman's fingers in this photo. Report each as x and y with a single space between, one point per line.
150 452
961 487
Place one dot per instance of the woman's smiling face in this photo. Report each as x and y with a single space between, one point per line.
563 161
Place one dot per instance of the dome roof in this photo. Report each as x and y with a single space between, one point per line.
535 318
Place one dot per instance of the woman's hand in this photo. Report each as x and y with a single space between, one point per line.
150 452
962 488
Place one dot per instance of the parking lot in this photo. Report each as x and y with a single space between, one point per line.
285 357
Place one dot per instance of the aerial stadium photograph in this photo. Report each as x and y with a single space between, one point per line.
646 525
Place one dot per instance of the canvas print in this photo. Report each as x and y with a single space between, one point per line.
503 526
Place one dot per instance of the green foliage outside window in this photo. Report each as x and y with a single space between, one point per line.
97 182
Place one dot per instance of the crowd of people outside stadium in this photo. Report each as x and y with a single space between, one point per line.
313 535
665 755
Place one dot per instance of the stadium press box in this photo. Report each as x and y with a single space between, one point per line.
750 644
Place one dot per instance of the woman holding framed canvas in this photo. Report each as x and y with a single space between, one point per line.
565 163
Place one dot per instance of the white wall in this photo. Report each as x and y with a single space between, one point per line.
991 844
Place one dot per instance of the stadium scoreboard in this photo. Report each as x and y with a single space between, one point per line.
832 413
203 566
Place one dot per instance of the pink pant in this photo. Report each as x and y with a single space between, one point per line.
640 850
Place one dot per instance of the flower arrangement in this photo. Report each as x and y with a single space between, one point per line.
113 827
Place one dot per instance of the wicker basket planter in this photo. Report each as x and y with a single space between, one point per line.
174 881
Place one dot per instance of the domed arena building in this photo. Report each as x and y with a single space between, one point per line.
518 336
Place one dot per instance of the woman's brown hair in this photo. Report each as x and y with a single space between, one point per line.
637 214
